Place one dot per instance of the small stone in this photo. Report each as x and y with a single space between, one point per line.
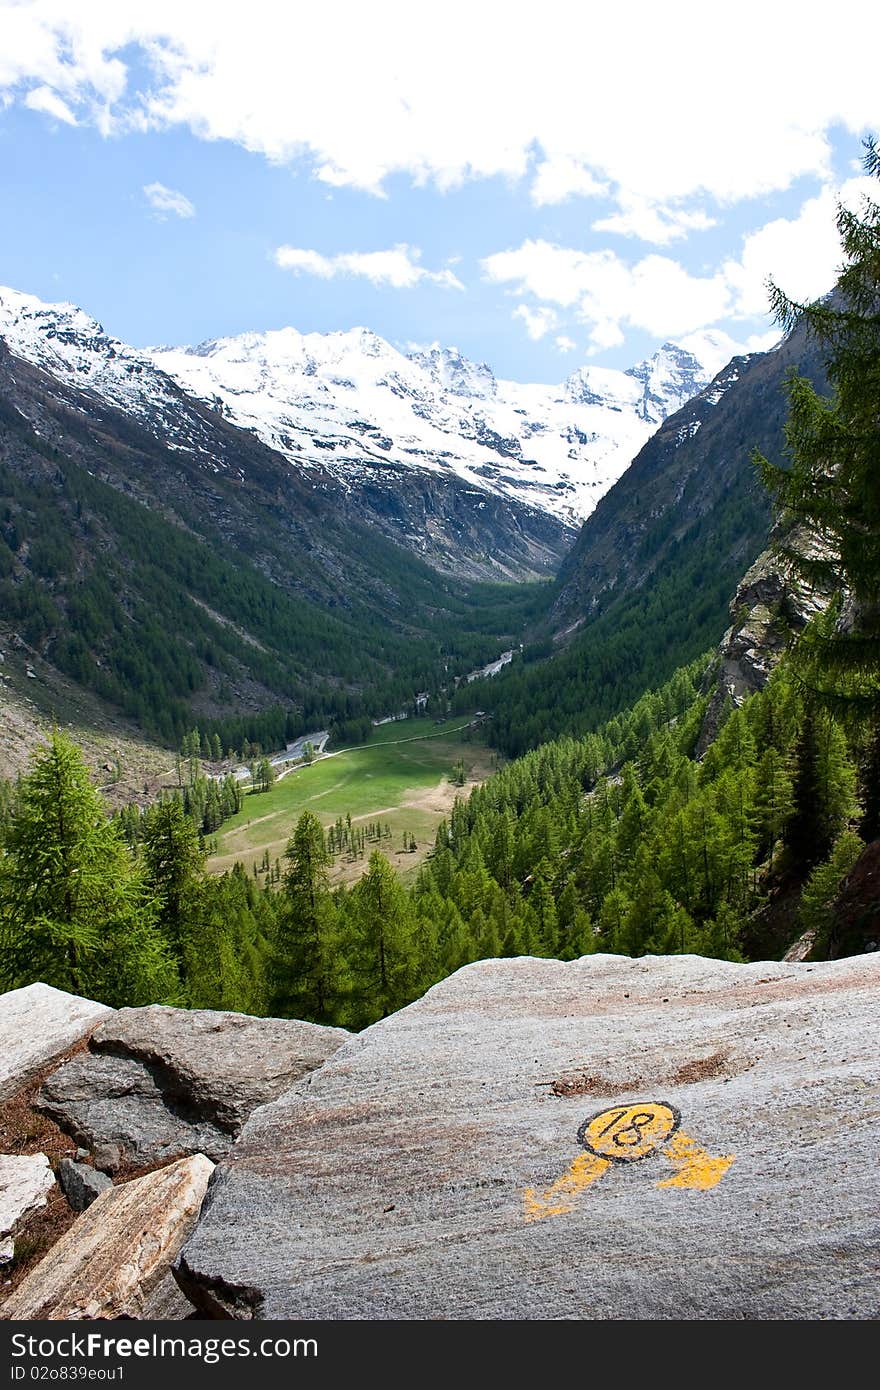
81 1184
82 1155
107 1158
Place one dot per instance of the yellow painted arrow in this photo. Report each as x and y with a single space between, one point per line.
629 1133
557 1200
695 1167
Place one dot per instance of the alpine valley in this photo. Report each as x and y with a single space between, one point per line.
335 525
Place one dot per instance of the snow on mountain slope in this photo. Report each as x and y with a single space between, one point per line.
65 341
72 347
351 405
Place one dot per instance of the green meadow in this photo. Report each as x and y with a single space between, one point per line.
403 776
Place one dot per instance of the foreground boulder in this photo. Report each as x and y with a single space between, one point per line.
114 1258
38 1024
159 1082
667 1137
25 1182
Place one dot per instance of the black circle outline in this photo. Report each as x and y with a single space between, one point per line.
629 1105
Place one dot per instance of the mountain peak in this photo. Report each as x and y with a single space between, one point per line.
349 403
454 372
24 316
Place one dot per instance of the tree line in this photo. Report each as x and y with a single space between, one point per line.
621 841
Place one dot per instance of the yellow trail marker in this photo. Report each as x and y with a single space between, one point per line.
628 1134
696 1168
586 1168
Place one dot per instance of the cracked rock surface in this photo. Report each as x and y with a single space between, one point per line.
159 1082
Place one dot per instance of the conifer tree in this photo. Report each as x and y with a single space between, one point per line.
773 801
816 913
381 948
307 973
823 788
544 908
832 488
74 911
174 861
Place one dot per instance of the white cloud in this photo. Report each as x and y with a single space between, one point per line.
604 333
802 255
763 342
656 294
562 177
50 103
168 200
590 95
653 222
714 347
538 322
564 343
547 271
397 267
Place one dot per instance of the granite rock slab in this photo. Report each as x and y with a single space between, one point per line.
608 1138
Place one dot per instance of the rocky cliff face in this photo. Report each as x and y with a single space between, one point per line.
602 1139
772 604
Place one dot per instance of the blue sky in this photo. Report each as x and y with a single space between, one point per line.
537 197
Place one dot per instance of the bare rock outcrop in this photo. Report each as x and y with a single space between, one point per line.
38 1024
114 1258
770 605
666 1137
158 1082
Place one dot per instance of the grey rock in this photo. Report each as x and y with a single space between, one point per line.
167 1302
38 1024
25 1181
433 1167
80 1183
107 1158
160 1082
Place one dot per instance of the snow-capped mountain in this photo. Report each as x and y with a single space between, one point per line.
73 348
353 404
